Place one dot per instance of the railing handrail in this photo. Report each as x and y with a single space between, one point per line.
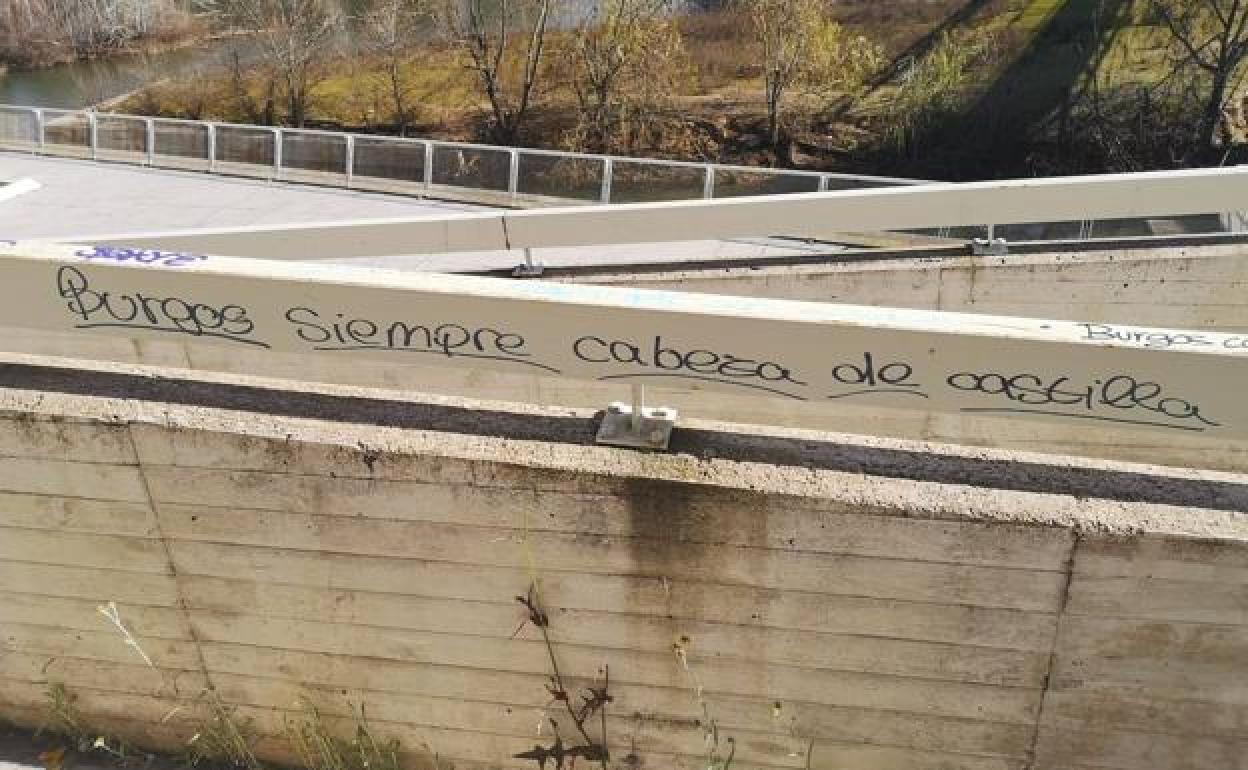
463 181
819 216
608 161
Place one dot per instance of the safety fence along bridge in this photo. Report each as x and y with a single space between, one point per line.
457 170
515 177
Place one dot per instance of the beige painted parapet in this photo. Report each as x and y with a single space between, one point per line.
843 602
1199 288
1180 382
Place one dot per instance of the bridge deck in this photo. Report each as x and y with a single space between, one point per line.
79 198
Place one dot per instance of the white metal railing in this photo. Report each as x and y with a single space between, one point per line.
506 176
393 164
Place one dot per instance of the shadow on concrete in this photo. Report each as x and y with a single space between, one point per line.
1062 476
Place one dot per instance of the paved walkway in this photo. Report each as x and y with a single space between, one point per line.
78 198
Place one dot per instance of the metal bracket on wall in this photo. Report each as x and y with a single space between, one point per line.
992 246
637 426
529 268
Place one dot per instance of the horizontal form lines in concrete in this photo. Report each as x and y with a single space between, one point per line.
234 635
861 681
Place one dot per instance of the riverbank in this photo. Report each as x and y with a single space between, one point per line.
715 112
202 35
985 89
37 34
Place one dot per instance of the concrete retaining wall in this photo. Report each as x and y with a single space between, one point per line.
845 603
1194 288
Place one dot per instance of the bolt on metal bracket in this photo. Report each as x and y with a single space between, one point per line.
637 426
529 268
990 247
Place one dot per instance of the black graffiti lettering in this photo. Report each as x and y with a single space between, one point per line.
341 332
94 308
899 377
401 335
702 361
867 378
237 320
306 327
111 302
672 360
579 349
773 372
895 375
451 337
1119 392
666 358
626 354
361 328
731 366
1057 395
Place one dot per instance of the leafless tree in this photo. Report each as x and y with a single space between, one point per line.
625 53
784 31
295 36
390 28
36 31
1212 35
799 46
504 42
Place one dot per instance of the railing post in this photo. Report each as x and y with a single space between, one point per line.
212 147
513 174
150 130
708 183
93 135
824 183
350 158
608 169
41 135
277 153
428 165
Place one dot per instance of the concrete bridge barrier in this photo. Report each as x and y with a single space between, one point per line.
841 602
1194 288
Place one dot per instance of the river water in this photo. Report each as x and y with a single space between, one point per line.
82 83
